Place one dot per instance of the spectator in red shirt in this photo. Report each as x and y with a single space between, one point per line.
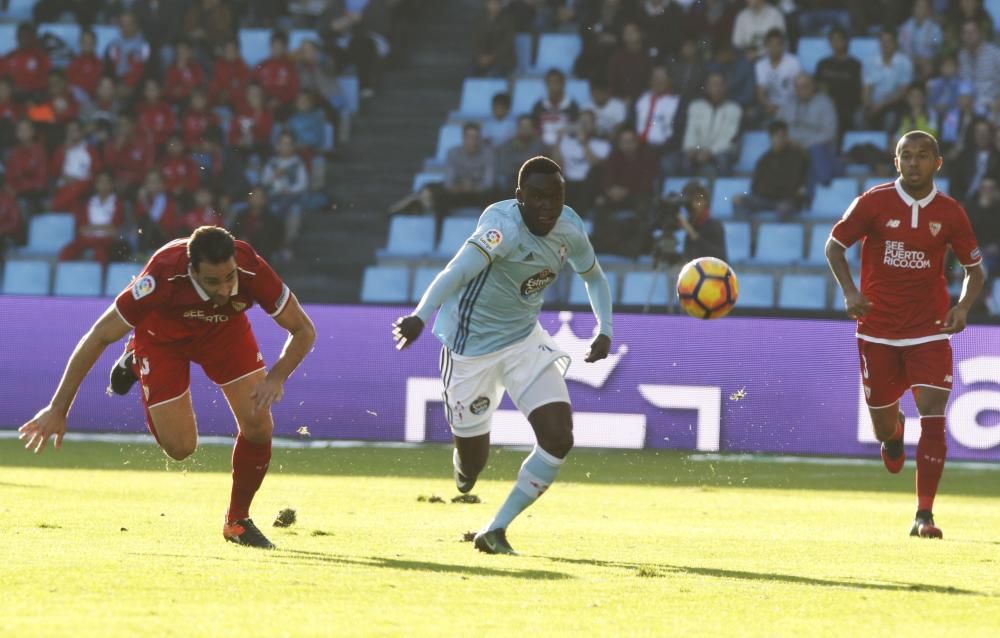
203 213
10 112
180 172
98 224
197 119
278 77
184 75
230 76
128 53
64 105
11 218
622 209
250 129
128 156
86 69
155 213
28 65
154 116
73 165
27 168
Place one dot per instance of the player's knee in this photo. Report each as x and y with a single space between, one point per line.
257 431
179 450
558 443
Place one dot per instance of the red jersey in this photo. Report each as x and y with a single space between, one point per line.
10 110
85 72
181 80
201 217
902 260
28 68
129 161
180 174
279 79
157 120
194 124
169 306
256 125
229 81
27 168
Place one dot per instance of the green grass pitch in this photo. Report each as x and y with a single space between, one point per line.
112 540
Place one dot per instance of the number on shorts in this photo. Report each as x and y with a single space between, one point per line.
864 366
144 370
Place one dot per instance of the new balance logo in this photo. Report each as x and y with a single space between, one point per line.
947 378
892 223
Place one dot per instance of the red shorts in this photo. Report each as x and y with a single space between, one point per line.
888 371
164 369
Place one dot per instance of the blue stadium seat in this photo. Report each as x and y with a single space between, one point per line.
677 184
872 182
523 46
579 90
817 245
422 278
723 191
26 277
578 289
831 201
756 290
993 7
995 311
105 34
477 96
737 241
424 178
409 235
352 92
67 32
454 233
557 51
255 45
526 92
642 287
385 284
77 279
755 144
449 136
119 276
811 50
297 36
8 38
779 243
329 137
878 139
48 233
802 292
943 184
864 49
18 11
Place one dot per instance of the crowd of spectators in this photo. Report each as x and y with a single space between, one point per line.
675 83
168 128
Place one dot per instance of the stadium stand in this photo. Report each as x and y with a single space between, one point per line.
26 277
802 292
385 284
77 279
118 276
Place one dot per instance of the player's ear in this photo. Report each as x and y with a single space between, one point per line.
519 196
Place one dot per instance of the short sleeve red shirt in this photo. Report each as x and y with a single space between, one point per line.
902 260
169 306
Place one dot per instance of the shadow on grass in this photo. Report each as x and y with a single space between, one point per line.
301 557
663 569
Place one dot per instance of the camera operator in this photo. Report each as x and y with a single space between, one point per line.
705 236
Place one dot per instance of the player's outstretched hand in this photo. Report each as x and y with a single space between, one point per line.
406 330
48 422
268 391
954 321
856 304
599 349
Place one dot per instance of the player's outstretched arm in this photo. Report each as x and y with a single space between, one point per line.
854 301
301 337
599 293
463 268
972 285
51 420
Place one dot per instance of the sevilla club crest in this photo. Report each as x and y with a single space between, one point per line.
935 228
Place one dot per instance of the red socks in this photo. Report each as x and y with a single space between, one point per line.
250 461
931 451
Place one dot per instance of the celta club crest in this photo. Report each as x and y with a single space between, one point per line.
593 374
935 228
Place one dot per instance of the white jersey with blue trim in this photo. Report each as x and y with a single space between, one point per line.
500 306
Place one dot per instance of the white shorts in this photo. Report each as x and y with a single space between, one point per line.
531 371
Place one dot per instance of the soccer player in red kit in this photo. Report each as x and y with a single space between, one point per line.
189 304
902 309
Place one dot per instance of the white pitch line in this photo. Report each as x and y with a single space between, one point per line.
822 460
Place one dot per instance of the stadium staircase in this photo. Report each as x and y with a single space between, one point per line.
388 143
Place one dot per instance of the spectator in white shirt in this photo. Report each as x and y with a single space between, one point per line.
753 24
610 111
556 111
775 72
713 122
656 112
581 153
886 77
979 63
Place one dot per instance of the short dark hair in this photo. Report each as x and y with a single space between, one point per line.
774 33
471 126
538 164
838 30
210 244
279 36
919 135
776 126
555 73
502 98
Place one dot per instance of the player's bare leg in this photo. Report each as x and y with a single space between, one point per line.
888 422
175 427
553 425
469 459
931 452
251 457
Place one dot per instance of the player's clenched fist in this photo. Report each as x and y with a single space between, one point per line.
857 305
599 349
406 330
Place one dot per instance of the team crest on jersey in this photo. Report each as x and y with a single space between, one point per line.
975 254
935 228
143 287
492 238
238 306
479 406
537 283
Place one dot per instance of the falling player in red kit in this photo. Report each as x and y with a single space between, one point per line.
904 312
189 304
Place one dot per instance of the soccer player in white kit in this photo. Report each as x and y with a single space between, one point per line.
490 295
